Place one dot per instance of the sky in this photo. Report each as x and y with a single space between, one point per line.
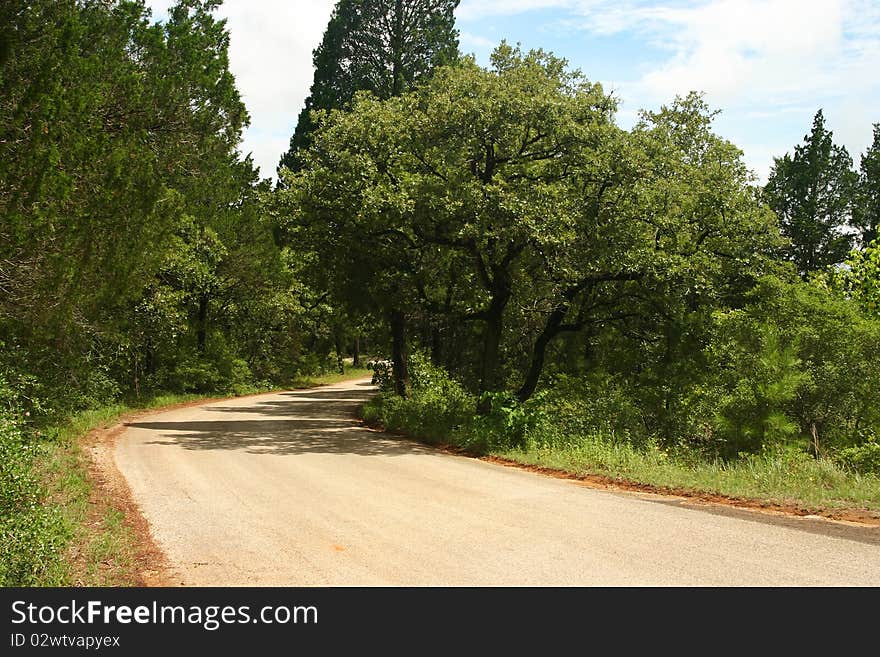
767 65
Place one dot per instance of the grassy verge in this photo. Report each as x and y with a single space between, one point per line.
100 546
326 379
787 477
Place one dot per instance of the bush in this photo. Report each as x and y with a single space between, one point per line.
96 389
761 376
31 534
436 410
194 375
383 374
797 363
596 405
863 458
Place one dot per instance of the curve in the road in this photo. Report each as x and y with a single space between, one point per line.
288 489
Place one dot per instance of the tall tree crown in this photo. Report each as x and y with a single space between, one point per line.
866 214
811 192
382 46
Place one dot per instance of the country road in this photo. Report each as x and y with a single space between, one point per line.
289 490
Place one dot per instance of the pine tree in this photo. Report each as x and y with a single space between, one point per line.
382 46
866 215
812 194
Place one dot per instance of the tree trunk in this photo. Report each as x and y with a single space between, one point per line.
202 326
490 363
337 343
356 352
539 350
399 355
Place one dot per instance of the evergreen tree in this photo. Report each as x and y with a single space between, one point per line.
866 214
385 47
812 193
382 46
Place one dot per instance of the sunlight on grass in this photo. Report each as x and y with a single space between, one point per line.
785 477
101 550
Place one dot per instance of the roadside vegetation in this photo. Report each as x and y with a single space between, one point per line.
57 530
538 282
574 435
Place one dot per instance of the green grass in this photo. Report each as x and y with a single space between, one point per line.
336 377
101 548
787 477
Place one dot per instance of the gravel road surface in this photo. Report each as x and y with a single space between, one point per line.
289 490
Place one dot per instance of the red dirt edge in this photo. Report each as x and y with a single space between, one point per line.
862 517
110 490
855 516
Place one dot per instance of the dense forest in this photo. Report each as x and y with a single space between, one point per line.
523 270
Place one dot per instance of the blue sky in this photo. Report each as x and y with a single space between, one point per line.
768 65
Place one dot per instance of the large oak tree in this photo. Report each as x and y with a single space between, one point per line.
508 196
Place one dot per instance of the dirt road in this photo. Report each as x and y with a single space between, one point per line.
287 489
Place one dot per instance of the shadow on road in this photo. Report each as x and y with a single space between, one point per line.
309 422
343 395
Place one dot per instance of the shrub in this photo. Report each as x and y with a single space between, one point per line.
194 374
383 375
761 376
31 534
436 410
796 363
864 457
597 405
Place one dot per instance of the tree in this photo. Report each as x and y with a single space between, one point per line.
812 193
128 217
860 279
866 215
382 46
509 199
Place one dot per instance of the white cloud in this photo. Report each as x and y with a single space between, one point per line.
773 58
756 59
469 42
735 50
740 49
475 9
270 54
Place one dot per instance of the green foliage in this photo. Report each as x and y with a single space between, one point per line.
599 404
812 191
760 376
503 208
383 46
383 377
436 410
866 213
502 423
796 361
859 279
31 534
134 252
863 457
